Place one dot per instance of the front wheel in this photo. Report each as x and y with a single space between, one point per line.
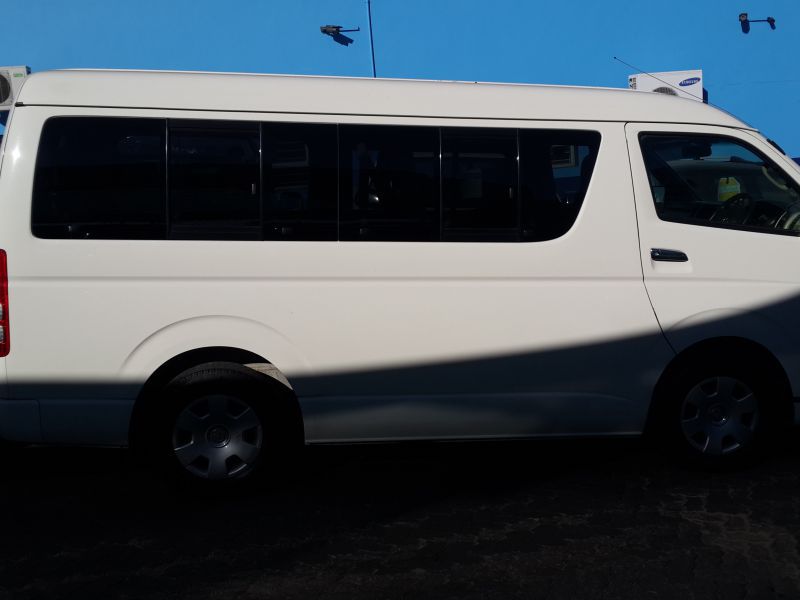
721 413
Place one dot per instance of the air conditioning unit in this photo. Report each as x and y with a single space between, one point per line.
11 79
685 84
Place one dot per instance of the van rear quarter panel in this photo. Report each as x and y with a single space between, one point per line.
379 340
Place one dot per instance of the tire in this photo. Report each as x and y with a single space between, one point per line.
222 423
721 413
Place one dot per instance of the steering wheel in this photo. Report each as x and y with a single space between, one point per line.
790 218
736 209
767 172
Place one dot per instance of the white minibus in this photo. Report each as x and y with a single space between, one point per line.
220 268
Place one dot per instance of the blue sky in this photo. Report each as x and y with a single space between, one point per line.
754 76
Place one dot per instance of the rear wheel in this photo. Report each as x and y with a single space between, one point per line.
224 422
218 436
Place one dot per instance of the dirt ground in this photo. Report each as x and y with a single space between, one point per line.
600 519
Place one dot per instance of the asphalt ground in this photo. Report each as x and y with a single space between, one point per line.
590 519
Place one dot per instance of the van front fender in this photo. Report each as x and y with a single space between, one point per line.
753 325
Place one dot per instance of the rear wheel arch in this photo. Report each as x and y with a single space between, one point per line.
149 404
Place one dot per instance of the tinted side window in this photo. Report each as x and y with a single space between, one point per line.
480 199
100 178
389 183
300 180
555 170
719 182
213 180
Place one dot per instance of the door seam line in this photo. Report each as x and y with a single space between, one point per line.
639 239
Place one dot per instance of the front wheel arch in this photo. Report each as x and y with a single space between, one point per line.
715 351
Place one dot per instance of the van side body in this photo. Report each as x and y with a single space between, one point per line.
461 335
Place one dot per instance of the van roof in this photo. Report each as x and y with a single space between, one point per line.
359 96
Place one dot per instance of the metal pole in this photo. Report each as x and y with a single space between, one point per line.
371 42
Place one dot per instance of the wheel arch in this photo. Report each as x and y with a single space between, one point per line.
148 401
723 346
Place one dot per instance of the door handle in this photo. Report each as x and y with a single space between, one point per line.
668 255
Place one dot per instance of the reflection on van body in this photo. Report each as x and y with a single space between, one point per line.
324 260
